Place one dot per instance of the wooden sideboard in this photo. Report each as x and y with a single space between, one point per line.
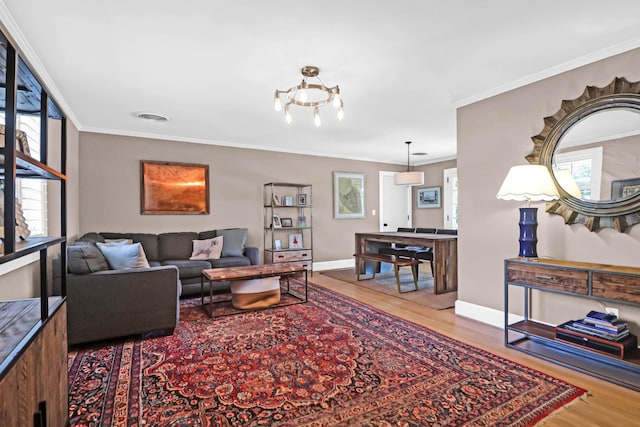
445 253
581 280
33 388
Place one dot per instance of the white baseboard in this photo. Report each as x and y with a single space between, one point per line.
483 314
334 265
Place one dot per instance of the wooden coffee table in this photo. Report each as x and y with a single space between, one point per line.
284 269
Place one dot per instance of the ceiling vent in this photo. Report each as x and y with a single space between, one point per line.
152 116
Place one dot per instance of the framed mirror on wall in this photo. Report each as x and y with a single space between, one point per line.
592 146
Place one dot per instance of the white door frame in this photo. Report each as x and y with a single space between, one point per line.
381 175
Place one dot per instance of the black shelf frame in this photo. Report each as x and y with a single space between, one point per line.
20 84
538 339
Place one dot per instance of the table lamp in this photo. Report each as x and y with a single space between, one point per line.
530 183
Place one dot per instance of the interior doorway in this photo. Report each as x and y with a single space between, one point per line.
395 203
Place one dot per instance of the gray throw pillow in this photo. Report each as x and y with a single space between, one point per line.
85 258
122 256
233 242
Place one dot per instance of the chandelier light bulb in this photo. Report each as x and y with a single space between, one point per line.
277 105
303 95
337 102
340 113
287 115
316 117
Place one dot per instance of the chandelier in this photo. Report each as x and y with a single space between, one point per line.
309 95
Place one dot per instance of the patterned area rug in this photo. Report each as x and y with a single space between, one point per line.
330 362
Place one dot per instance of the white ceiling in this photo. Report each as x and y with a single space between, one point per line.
212 66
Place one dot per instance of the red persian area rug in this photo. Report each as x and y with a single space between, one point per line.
330 362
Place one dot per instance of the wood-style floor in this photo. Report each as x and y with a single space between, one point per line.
606 405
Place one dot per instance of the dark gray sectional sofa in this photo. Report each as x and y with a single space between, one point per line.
104 303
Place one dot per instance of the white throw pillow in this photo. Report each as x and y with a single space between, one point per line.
124 256
207 249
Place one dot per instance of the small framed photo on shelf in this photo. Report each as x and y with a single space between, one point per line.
295 241
276 221
288 200
287 222
302 221
276 200
277 245
301 199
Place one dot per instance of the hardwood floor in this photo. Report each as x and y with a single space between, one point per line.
606 405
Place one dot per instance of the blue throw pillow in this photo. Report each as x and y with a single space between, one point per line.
233 242
123 256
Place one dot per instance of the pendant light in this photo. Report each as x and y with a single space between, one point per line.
408 178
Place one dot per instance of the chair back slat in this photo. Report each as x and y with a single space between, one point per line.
425 230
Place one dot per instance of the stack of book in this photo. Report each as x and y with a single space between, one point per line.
602 325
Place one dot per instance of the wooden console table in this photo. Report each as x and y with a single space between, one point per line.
445 253
580 280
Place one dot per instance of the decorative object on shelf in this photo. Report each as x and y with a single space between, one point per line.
174 188
287 222
277 245
295 241
288 201
277 223
275 200
301 199
309 95
302 221
22 143
22 231
428 197
528 183
622 188
348 195
409 177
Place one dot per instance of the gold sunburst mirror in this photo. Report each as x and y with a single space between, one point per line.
595 136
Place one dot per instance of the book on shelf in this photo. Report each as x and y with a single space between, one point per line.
585 328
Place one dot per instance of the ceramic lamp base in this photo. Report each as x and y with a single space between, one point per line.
528 232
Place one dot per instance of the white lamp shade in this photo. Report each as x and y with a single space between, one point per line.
567 183
409 178
528 183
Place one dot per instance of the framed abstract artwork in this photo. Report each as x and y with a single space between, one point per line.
348 195
173 188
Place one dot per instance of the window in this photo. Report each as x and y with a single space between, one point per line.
32 193
585 167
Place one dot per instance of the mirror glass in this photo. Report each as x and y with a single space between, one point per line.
598 158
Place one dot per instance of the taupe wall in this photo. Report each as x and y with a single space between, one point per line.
110 189
494 135
433 177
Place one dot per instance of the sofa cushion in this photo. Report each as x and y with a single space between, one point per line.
124 256
210 234
234 241
207 249
175 245
84 257
149 241
91 237
188 268
230 261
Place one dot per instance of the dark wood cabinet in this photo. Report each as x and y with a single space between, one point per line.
582 280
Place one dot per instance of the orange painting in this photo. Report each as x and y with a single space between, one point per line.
174 188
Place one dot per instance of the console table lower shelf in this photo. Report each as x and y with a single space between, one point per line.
538 339
283 270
